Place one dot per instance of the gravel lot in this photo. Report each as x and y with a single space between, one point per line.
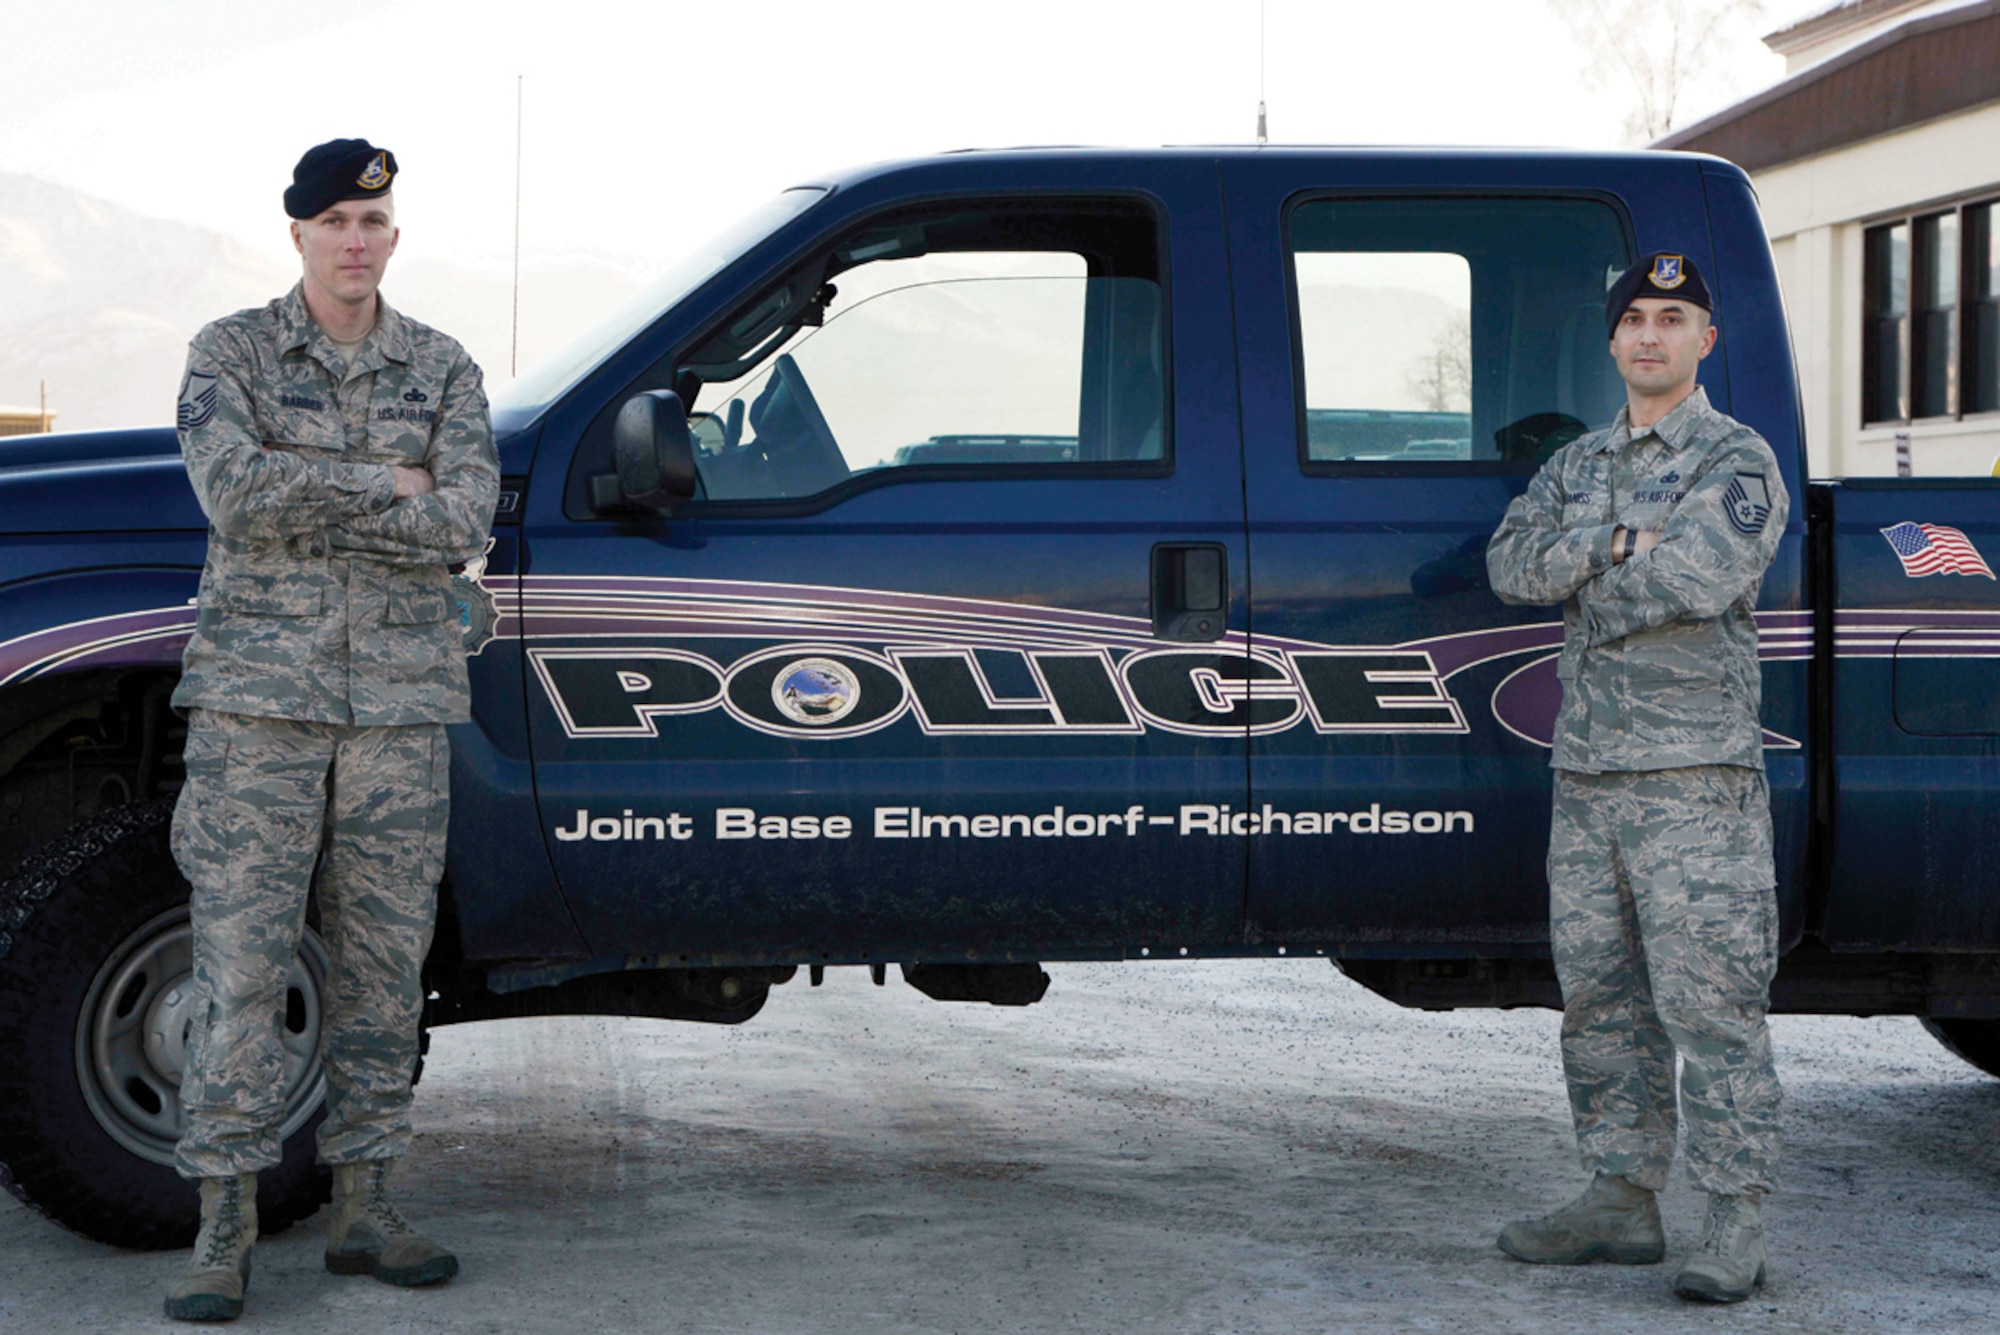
1231 1146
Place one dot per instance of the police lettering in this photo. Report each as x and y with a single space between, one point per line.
961 691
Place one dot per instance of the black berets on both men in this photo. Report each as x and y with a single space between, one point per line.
1657 275
337 170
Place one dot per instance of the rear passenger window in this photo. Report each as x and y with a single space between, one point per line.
1434 333
1000 339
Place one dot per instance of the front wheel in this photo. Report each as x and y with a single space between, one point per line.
96 956
1973 1041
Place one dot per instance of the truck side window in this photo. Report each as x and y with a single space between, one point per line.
972 340
1434 333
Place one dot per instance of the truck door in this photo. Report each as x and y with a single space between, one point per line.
955 626
1412 350
1915 714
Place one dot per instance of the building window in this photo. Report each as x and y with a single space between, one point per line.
1982 309
1934 322
1887 349
1931 336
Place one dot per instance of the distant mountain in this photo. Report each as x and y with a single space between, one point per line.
100 301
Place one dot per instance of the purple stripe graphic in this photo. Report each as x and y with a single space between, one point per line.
152 636
1527 701
588 606
563 605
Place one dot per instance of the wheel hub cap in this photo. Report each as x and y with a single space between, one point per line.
168 1020
132 1037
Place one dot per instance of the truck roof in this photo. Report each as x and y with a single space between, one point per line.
962 161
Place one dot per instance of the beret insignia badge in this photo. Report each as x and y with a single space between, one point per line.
376 175
1667 272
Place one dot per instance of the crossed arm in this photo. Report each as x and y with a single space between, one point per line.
1693 568
447 522
434 515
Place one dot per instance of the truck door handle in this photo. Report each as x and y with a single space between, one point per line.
1190 591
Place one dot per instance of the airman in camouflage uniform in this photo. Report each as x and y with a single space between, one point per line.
343 456
1663 912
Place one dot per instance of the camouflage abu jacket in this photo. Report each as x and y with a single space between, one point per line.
324 598
1659 660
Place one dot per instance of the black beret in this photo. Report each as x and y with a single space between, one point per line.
336 170
1658 275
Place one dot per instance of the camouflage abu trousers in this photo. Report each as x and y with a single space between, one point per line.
1664 921
266 800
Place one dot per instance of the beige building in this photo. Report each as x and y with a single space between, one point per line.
25 421
1877 162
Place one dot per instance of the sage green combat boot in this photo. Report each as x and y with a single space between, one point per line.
1614 1220
369 1237
211 1288
1727 1265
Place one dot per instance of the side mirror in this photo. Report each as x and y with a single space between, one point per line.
654 450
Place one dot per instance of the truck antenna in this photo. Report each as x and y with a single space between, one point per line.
1263 130
514 352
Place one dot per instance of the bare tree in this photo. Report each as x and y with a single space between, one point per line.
1442 378
1656 47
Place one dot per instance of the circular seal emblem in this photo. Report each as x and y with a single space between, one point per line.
815 691
478 614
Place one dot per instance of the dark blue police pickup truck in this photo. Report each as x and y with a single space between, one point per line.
1012 557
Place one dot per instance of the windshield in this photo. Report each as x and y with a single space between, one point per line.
549 379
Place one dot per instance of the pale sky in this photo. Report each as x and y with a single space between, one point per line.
652 123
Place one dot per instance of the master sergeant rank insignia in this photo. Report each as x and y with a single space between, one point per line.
1748 502
197 403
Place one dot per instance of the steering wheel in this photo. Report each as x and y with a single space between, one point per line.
821 460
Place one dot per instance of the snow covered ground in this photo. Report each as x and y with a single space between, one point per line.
1234 1146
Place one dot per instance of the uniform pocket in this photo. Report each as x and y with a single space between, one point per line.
1674 701
1732 907
286 599
204 757
437 822
1666 687
414 607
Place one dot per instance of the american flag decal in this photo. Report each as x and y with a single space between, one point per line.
1933 549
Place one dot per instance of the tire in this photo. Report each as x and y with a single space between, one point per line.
1975 1042
93 949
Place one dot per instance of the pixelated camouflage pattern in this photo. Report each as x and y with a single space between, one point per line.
263 797
1664 924
324 597
1659 660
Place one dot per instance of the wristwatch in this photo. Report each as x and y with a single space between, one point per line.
1629 547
